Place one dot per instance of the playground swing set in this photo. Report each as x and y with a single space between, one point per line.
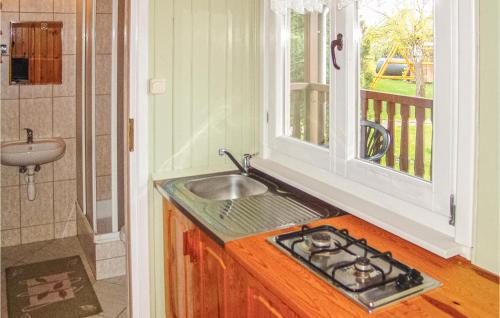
393 67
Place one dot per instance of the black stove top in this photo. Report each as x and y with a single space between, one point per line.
370 277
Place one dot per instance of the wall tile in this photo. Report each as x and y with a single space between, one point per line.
64 117
31 16
103 188
35 91
64 200
104 33
11 237
86 238
103 74
8 91
64 6
37 233
104 6
9 175
10 5
7 18
37 115
110 250
37 5
68 31
110 268
41 210
103 155
11 217
65 229
46 174
10 119
47 216
68 86
103 115
65 168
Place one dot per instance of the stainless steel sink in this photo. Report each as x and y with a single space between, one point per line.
231 206
226 187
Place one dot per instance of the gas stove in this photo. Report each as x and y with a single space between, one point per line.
371 278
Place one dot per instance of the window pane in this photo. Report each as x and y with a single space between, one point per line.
396 84
309 67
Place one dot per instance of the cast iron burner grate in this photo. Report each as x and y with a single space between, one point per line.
348 262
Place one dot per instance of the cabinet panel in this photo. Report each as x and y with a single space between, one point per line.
202 280
261 303
214 280
36 50
180 236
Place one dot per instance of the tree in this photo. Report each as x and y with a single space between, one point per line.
411 25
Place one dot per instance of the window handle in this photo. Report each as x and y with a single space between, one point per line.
339 44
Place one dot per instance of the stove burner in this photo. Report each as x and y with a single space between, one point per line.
319 244
363 265
321 239
364 270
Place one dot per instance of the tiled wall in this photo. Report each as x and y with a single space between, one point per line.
103 53
50 111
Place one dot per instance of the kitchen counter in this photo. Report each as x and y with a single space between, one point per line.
466 292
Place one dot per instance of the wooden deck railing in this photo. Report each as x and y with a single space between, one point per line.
408 107
315 97
375 106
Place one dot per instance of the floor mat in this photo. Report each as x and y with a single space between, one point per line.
57 288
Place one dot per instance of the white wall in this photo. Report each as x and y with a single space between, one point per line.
208 55
486 247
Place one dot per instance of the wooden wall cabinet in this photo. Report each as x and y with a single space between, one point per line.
36 53
202 280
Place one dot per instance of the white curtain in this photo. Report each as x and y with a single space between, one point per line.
300 6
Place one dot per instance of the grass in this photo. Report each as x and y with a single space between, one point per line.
405 88
402 88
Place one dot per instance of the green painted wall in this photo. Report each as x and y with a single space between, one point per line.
486 251
207 50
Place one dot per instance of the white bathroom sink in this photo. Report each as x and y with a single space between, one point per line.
23 154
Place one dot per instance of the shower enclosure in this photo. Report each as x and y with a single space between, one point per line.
100 128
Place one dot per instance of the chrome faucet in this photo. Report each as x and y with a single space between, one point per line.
29 133
246 161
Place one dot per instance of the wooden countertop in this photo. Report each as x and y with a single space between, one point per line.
466 292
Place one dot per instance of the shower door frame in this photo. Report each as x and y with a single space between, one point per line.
114 234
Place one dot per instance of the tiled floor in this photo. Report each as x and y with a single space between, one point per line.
112 293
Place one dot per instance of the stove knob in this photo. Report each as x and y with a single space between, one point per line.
410 279
402 282
415 277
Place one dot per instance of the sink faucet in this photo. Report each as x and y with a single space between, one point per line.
246 160
29 133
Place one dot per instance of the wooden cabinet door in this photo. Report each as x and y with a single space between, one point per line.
261 303
214 278
180 237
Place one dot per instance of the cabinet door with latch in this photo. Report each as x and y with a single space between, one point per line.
180 250
215 281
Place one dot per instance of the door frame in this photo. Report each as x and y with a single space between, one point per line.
138 216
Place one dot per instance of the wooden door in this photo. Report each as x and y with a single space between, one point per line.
261 303
180 242
214 278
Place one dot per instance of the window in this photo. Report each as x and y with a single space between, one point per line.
396 79
387 119
309 71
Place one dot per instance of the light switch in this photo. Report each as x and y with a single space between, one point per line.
157 86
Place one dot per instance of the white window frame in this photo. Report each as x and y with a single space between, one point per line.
342 171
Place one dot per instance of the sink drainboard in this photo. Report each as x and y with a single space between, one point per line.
260 213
